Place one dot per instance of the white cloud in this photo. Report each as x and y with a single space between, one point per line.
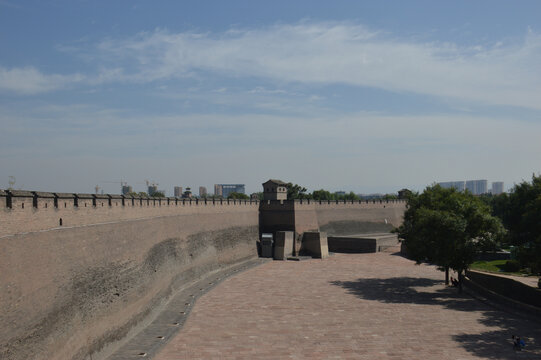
503 73
29 80
330 53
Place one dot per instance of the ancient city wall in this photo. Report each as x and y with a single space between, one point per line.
333 217
360 217
70 291
26 211
80 271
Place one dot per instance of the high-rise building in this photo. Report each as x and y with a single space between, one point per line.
178 191
126 189
497 187
477 187
225 189
459 185
202 191
152 189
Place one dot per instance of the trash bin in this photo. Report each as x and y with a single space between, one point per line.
266 245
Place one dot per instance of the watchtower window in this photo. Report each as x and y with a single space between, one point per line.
65 205
45 205
22 205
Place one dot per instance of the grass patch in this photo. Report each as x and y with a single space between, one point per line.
497 266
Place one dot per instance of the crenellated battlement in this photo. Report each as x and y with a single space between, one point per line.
26 211
285 205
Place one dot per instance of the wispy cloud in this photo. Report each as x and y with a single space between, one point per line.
29 80
322 53
341 53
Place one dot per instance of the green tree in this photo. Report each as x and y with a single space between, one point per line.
158 194
521 213
447 228
236 195
322 195
295 191
390 197
137 194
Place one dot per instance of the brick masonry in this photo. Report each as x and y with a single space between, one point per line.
348 306
80 271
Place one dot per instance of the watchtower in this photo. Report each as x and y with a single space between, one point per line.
274 190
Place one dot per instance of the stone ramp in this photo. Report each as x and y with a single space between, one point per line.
149 341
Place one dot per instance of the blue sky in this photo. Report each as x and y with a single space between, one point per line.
369 96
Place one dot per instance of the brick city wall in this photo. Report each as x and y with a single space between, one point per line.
71 291
333 217
80 271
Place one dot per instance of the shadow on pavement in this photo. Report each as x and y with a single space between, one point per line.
495 344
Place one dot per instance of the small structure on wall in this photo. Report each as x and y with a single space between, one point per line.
274 190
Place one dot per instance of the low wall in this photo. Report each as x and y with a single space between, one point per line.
353 218
333 217
345 244
73 292
506 287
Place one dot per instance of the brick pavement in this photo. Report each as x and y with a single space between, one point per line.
348 306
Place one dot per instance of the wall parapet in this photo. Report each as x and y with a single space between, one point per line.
26 211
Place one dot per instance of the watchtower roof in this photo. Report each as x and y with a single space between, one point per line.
275 182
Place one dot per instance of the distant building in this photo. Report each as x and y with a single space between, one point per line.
126 189
340 193
477 187
274 190
187 194
225 189
459 185
403 194
497 187
152 189
202 191
178 191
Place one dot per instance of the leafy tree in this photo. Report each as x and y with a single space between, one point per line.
137 194
350 196
447 228
258 194
236 195
322 195
158 194
390 197
295 191
521 213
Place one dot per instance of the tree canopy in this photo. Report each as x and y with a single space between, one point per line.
447 228
520 212
237 195
295 191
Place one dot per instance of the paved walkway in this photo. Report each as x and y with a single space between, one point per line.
349 306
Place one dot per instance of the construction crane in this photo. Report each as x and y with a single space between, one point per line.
153 185
121 182
11 182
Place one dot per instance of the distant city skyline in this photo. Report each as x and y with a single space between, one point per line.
362 96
